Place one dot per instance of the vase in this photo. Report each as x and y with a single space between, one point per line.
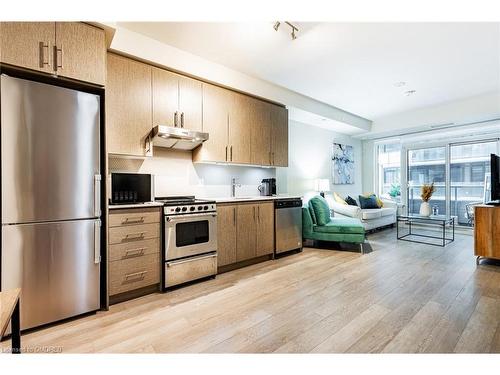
425 209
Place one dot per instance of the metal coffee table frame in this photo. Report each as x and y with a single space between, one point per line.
438 220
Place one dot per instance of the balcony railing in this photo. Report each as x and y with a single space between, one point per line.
462 194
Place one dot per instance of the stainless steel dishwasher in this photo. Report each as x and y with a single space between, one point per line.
288 224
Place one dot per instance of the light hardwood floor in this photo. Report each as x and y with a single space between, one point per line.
402 297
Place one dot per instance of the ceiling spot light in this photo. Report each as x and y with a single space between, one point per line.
294 28
400 84
410 92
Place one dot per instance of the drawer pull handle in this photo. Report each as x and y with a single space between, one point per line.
133 220
136 275
134 252
134 236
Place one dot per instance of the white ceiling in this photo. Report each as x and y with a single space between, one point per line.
352 66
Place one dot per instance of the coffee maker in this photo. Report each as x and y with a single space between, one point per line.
268 187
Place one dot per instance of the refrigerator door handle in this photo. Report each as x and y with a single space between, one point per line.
97 242
97 195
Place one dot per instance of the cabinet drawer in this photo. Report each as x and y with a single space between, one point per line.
135 273
133 217
133 249
181 271
133 233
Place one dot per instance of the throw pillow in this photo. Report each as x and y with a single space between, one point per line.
321 210
339 199
351 201
380 203
368 202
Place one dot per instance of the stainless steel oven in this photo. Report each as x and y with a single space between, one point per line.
190 234
190 239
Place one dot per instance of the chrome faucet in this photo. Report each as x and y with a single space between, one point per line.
233 186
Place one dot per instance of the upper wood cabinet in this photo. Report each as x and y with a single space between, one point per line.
279 136
128 105
240 119
69 49
80 52
260 128
177 100
216 104
242 129
28 44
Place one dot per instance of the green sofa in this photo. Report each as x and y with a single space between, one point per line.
332 229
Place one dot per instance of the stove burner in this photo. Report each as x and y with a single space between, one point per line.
186 205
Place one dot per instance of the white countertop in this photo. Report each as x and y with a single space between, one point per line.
135 205
251 199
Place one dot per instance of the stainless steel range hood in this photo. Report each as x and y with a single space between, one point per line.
177 138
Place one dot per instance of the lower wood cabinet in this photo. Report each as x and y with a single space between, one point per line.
244 231
134 249
487 231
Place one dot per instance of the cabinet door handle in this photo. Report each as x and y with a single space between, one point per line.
258 213
182 119
136 275
273 158
135 252
231 152
253 213
226 152
58 52
42 46
270 158
234 215
133 220
175 118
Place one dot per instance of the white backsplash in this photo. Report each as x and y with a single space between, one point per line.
175 174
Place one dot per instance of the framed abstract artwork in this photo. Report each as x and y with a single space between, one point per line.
343 164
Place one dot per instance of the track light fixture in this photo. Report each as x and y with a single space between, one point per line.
293 27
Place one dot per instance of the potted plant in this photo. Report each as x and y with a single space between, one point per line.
426 194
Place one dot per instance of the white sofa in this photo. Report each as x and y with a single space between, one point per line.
371 218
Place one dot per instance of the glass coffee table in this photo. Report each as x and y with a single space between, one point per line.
444 223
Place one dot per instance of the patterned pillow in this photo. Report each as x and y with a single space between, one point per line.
368 202
380 203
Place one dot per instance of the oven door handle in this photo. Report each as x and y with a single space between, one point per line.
177 218
176 262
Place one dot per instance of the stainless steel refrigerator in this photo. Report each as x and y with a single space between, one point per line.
51 228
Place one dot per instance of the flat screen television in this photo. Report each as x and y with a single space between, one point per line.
495 179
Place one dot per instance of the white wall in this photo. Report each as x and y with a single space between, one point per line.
310 157
175 174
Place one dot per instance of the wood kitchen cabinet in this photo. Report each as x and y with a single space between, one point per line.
68 49
28 44
177 100
240 119
260 128
216 104
244 231
128 105
279 136
80 52
265 229
226 235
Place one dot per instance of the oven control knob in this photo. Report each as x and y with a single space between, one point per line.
178 209
205 208
192 208
200 208
184 209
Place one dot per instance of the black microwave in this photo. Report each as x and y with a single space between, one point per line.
131 188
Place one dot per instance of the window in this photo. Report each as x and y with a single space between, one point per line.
389 160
